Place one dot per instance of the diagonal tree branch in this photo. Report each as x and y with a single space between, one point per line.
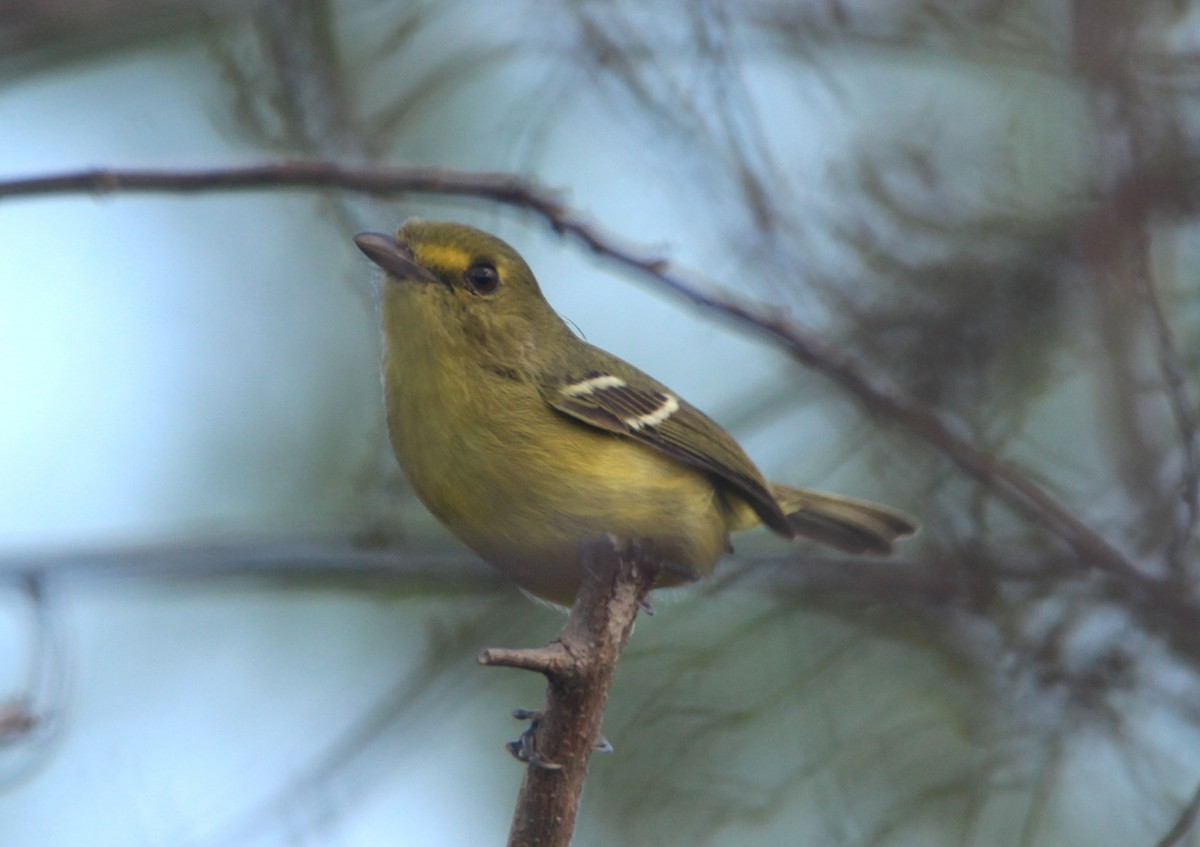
294 174
875 391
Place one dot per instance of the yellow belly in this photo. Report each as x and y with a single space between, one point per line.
525 505
524 485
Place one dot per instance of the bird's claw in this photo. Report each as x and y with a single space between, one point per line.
524 749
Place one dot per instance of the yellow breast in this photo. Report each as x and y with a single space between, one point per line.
522 484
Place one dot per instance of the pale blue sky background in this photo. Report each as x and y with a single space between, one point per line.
195 369
184 369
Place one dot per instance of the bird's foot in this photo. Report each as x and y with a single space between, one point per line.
524 749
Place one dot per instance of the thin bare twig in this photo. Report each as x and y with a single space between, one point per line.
1175 387
578 665
872 389
1105 39
293 561
293 174
305 563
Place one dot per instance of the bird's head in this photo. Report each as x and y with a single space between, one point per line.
475 285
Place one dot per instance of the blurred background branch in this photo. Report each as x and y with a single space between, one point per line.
976 221
871 388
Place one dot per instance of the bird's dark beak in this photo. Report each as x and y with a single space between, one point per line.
392 256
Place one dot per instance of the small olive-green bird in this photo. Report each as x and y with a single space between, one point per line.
525 440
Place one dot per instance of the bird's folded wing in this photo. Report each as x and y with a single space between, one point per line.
656 417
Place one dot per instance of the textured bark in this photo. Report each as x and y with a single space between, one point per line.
578 666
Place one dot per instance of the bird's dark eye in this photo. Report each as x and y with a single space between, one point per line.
482 278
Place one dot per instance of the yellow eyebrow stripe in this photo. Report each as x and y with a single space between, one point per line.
445 256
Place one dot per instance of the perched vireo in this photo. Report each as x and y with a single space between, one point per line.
525 441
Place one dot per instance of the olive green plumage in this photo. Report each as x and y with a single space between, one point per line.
524 440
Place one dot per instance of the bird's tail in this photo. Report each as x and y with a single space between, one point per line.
854 526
